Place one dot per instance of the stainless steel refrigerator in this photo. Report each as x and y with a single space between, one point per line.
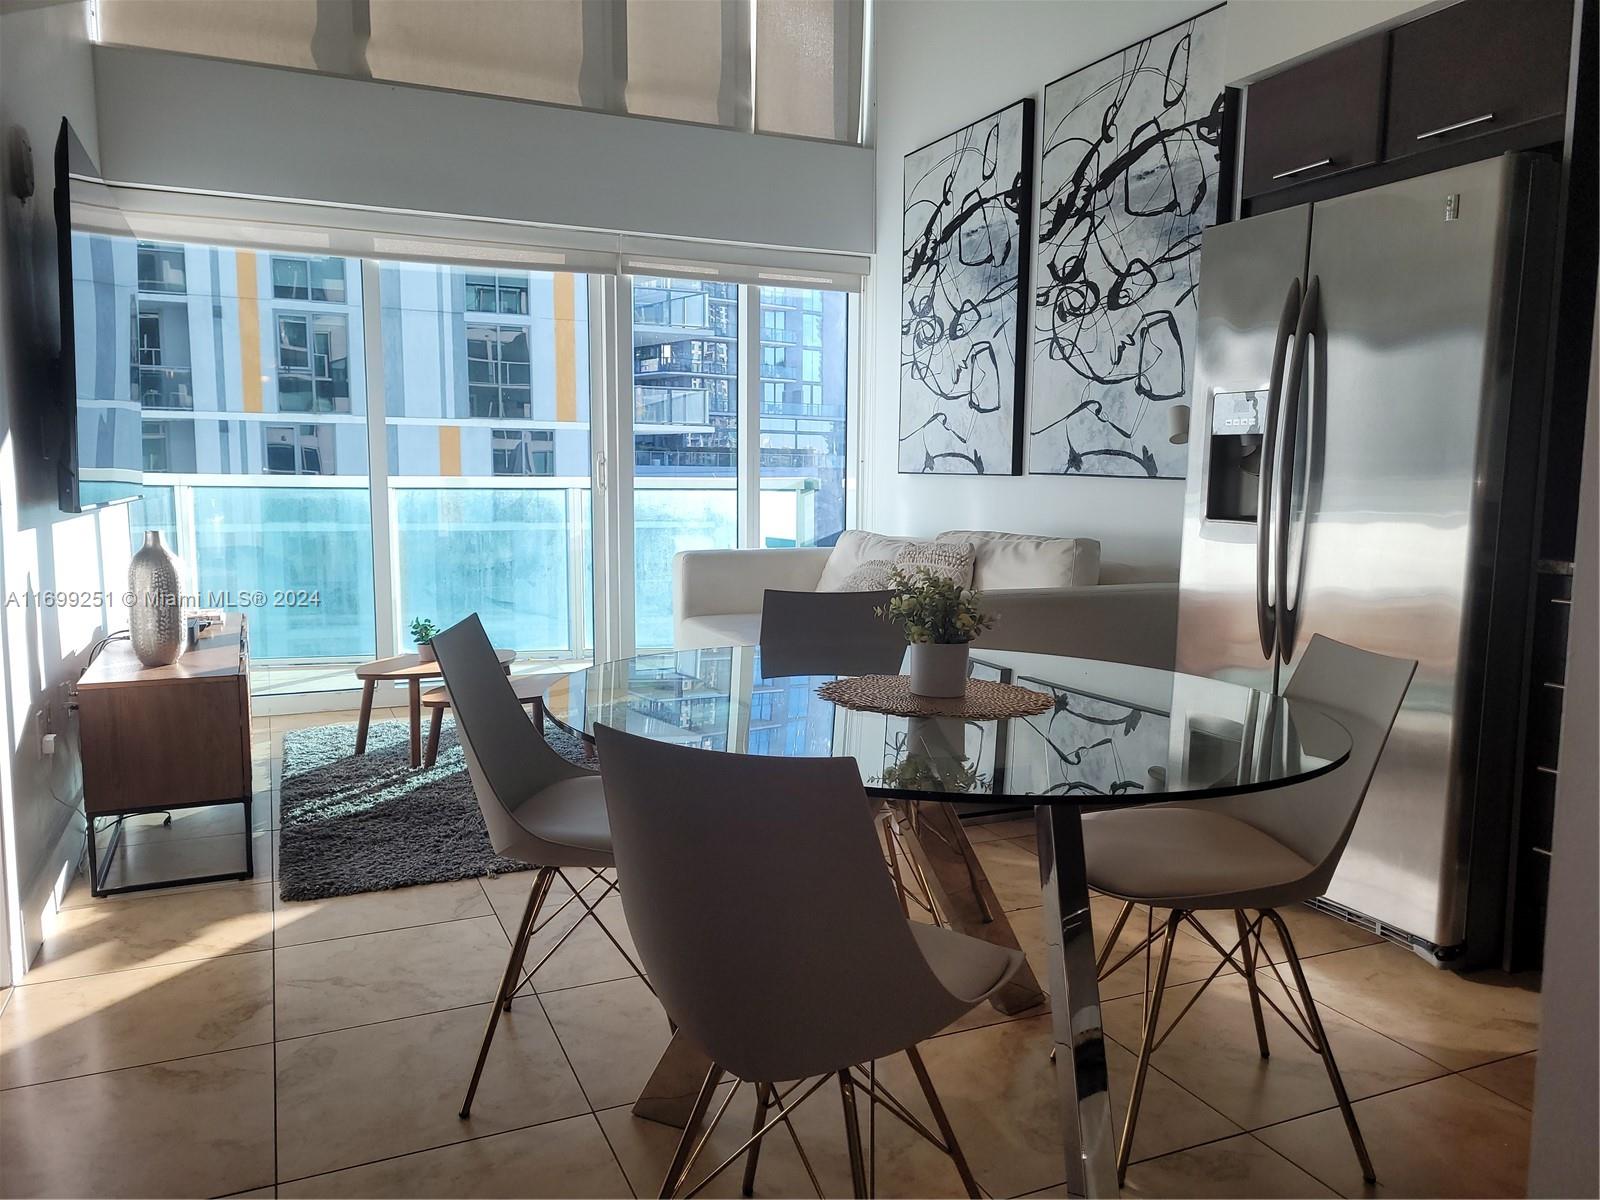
1367 404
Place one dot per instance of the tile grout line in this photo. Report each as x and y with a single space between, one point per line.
345 937
477 1137
1373 1029
1463 1073
1301 1167
594 1116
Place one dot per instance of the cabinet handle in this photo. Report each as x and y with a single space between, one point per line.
1444 129
1321 162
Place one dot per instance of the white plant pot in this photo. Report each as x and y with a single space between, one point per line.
425 653
939 669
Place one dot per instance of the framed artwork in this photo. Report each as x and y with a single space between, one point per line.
964 277
1127 182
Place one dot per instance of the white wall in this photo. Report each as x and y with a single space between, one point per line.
177 120
1566 1110
45 74
939 64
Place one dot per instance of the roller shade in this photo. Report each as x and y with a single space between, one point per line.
282 225
737 264
778 66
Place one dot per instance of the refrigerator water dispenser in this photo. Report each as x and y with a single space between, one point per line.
1238 423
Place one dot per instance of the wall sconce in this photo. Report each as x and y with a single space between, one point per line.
1178 424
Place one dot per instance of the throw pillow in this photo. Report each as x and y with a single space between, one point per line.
871 576
853 548
952 560
1017 560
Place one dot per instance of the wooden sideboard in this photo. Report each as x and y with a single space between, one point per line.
154 739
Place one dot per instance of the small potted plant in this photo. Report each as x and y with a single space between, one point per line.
939 618
422 632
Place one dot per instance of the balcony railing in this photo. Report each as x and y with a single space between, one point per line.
163 387
810 412
671 406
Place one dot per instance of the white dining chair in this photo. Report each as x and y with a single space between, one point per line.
765 917
1259 851
538 807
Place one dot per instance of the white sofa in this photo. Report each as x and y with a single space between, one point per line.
1045 593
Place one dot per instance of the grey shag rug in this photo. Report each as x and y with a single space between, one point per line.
368 823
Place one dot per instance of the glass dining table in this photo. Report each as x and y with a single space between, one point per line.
1113 736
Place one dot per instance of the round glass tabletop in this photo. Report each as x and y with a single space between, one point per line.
1113 735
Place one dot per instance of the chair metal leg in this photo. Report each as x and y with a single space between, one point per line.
678 1168
749 1188
1249 958
852 1134
1320 1034
1112 936
1147 1045
890 852
508 983
946 1130
519 949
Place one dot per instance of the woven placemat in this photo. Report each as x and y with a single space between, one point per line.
985 700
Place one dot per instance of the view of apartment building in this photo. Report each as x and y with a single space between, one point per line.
251 377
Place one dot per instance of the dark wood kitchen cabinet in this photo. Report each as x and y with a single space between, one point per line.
1472 80
1475 69
1319 118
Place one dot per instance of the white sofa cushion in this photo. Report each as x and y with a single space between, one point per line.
949 560
718 629
854 548
1021 560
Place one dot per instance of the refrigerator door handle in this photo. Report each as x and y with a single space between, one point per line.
1266 608
1304 331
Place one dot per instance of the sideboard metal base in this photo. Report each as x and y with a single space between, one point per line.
100 871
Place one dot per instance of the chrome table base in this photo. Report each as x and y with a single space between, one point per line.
1087 1129
962 893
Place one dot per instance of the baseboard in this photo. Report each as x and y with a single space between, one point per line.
42 898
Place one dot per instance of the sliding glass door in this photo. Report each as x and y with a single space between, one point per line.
805 405
686 351
486 388
250 369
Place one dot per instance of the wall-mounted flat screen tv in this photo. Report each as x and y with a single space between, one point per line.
103 380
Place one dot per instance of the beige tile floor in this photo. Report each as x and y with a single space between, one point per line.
217 1041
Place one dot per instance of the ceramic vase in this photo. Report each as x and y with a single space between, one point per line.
939 669
425 652
155 611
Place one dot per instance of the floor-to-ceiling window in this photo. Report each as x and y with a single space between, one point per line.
805 401
486 387
250 369
342 445
686 350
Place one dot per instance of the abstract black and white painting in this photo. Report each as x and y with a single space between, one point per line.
964 276
1128 180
